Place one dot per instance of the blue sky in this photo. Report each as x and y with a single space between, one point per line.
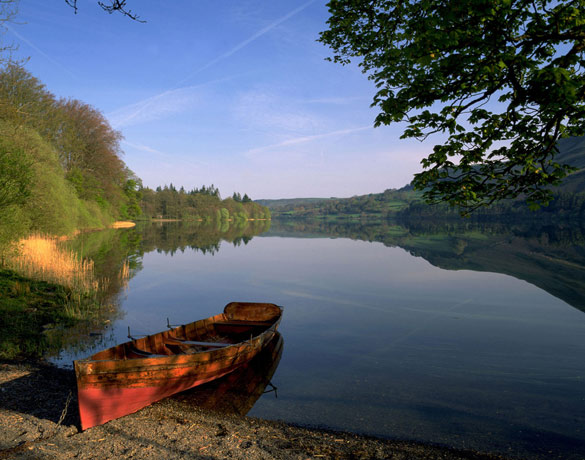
231 92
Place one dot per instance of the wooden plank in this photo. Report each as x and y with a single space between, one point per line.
175 341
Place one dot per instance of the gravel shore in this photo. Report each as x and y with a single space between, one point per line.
39 420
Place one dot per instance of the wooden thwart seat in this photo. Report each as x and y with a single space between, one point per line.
175 341
137 352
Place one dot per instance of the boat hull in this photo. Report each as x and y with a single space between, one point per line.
111 388
237 392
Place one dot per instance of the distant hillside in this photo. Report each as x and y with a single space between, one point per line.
405 202
279 203
375 205
572 152
568 201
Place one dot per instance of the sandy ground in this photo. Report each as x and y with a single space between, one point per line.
39 420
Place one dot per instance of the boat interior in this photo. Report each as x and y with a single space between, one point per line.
240 322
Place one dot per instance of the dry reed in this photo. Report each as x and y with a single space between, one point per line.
42 258
39 257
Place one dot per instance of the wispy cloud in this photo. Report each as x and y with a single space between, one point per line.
155 107
247 41
164 156
143 148
305 139
163 104
38 50
265 111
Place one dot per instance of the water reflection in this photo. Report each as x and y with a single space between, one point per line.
547 256
111 250
550 257
172 237
237 392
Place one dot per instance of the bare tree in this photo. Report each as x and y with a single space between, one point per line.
112 6
8 10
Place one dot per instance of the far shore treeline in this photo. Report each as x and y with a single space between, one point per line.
202 204
61 170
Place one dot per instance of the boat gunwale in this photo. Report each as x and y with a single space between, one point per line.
209 352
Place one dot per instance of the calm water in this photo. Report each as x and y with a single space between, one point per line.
380 341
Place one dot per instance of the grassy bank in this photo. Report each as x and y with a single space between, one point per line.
28 308
44 289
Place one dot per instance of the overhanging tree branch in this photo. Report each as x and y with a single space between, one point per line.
435 62
113 6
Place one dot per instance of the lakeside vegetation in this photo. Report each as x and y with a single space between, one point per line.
61 169
40 258
45 288
60 162
61 172
27 306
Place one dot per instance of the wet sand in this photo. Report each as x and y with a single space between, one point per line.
39 420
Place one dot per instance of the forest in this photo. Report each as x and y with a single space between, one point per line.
201 204
60 162
61 171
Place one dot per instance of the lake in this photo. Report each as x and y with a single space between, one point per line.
471 337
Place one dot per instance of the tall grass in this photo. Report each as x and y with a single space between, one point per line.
41 258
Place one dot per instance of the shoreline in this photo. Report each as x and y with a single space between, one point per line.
39 419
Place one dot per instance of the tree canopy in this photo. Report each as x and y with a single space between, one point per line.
60 162
503 80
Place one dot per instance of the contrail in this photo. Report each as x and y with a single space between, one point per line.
302 140
125 115
38 50
147 149
246 42
148 102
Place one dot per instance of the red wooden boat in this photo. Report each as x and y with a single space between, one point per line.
125 378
